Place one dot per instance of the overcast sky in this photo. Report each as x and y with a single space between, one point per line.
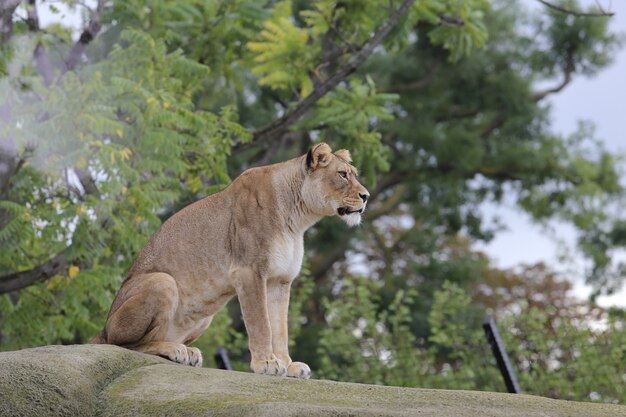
601 99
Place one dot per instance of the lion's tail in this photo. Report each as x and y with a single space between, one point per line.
99 339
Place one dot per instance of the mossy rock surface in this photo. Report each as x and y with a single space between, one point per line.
110 381
62 380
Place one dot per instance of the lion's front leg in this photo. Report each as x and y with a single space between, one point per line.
278 308
252 293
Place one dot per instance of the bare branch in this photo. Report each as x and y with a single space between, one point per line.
569 69
542 94
89 34
7 8
19 280
281 124
32 16
449 20
577 13
44 67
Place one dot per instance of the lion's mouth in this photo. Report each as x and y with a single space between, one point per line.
344 211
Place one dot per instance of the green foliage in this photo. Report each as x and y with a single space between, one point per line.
283 57
460 40
375 345
120 121
365 342
447 318
361 343
442 117
573 41
65 309
565 359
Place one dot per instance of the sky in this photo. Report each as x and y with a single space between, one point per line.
600 99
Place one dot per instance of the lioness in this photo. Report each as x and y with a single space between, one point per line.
245 240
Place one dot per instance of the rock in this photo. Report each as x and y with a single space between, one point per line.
107 380
62 380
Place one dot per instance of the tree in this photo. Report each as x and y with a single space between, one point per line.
462 135
152 105
100 153
562 347
570 349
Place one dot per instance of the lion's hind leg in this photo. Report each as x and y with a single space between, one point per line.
143 316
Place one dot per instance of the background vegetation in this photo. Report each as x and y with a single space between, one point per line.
109 128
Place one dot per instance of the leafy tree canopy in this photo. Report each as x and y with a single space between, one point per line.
108 129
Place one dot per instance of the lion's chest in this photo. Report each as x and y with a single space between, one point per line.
285 258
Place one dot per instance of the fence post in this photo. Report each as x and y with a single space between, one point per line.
497 347
222 360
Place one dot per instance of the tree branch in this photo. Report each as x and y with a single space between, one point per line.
32 17
461 114
397 197
89 34
19 280
325 261
415 85
44 68
281 124
577 13
87 182
569 69
496 123
449 20
329 53
7 8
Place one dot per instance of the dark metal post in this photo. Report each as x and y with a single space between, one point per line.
497 346
222 360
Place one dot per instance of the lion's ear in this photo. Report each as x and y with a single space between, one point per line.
344 154
318 156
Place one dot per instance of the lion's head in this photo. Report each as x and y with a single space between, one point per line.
331 186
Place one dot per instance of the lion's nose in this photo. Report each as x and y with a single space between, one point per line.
364 197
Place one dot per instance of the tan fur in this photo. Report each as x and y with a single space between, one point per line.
246 240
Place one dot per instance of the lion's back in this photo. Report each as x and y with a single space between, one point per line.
197 233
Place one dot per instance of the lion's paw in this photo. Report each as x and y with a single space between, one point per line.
272 366
195 357
299 370
179 354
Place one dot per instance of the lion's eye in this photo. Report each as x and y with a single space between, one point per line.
343 174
